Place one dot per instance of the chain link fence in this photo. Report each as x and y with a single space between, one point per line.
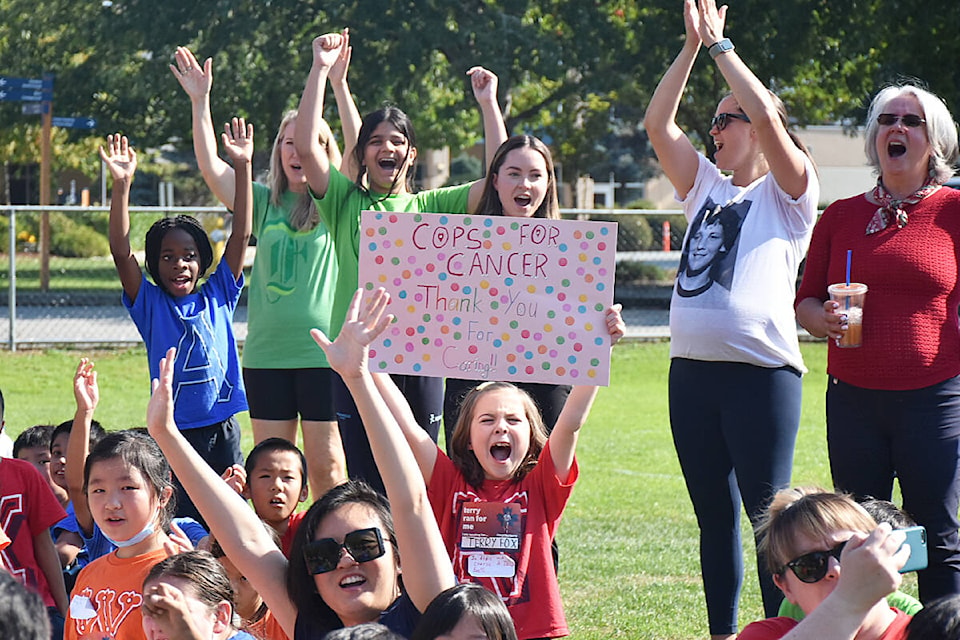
75 298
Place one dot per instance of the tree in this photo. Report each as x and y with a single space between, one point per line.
575 71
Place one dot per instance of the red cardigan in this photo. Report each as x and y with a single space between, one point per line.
911 335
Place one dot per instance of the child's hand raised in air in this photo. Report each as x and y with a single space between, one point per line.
347 354
177 540
160 408
238 140
338 72
85 389
484 84
326 49
120 157
236 478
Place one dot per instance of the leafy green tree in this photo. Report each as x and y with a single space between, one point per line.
574 71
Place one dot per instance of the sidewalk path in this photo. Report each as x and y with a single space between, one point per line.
75 325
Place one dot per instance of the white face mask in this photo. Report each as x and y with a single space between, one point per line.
145 533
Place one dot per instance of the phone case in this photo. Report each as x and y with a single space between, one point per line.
917 539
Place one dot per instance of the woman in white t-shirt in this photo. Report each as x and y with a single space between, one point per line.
736 365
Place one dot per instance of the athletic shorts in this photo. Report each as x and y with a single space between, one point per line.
284 394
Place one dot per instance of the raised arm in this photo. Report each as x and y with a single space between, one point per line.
676 154
234 524
313 157
424 449
86 392
197 81
485 83
563 438
870 573
785 159
350 118
121 160
238 142
428 570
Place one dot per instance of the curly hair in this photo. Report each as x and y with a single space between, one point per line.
161 228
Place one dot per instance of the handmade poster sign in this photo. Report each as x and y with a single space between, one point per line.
491 298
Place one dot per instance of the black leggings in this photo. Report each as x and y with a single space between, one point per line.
425 396
734 427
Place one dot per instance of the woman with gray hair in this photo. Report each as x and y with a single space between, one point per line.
893 405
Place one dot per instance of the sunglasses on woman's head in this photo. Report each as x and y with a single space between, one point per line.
812 567
909 120
324 555
721 120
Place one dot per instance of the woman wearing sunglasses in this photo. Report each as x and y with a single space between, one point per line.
734 342
830 558
344 566
893 404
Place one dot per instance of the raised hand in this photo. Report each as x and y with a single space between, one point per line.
120 157
236 478
338 72
347 354
238 140
871 566
177 540
195 79
484 83
691 21
712 21
326 50
160 408
85 389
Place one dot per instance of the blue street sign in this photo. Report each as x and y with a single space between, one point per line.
38 84
25 95
34 108
75 123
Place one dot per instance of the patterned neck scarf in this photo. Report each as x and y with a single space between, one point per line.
892 209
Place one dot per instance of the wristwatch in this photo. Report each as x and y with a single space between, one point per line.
721 46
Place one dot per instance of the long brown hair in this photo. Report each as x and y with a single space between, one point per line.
490 204
463 456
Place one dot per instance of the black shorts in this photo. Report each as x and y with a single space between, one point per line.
284 394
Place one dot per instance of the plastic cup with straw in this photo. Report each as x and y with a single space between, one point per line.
851 296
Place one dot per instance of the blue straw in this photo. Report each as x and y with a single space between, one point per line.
849 257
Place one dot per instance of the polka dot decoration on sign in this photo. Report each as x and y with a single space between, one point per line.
489 297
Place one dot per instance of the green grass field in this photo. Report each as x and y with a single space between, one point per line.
629 563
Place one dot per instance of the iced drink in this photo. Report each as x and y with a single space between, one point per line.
850 296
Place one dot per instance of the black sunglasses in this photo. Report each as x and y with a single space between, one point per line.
721 120
811 567
909 120
324 555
